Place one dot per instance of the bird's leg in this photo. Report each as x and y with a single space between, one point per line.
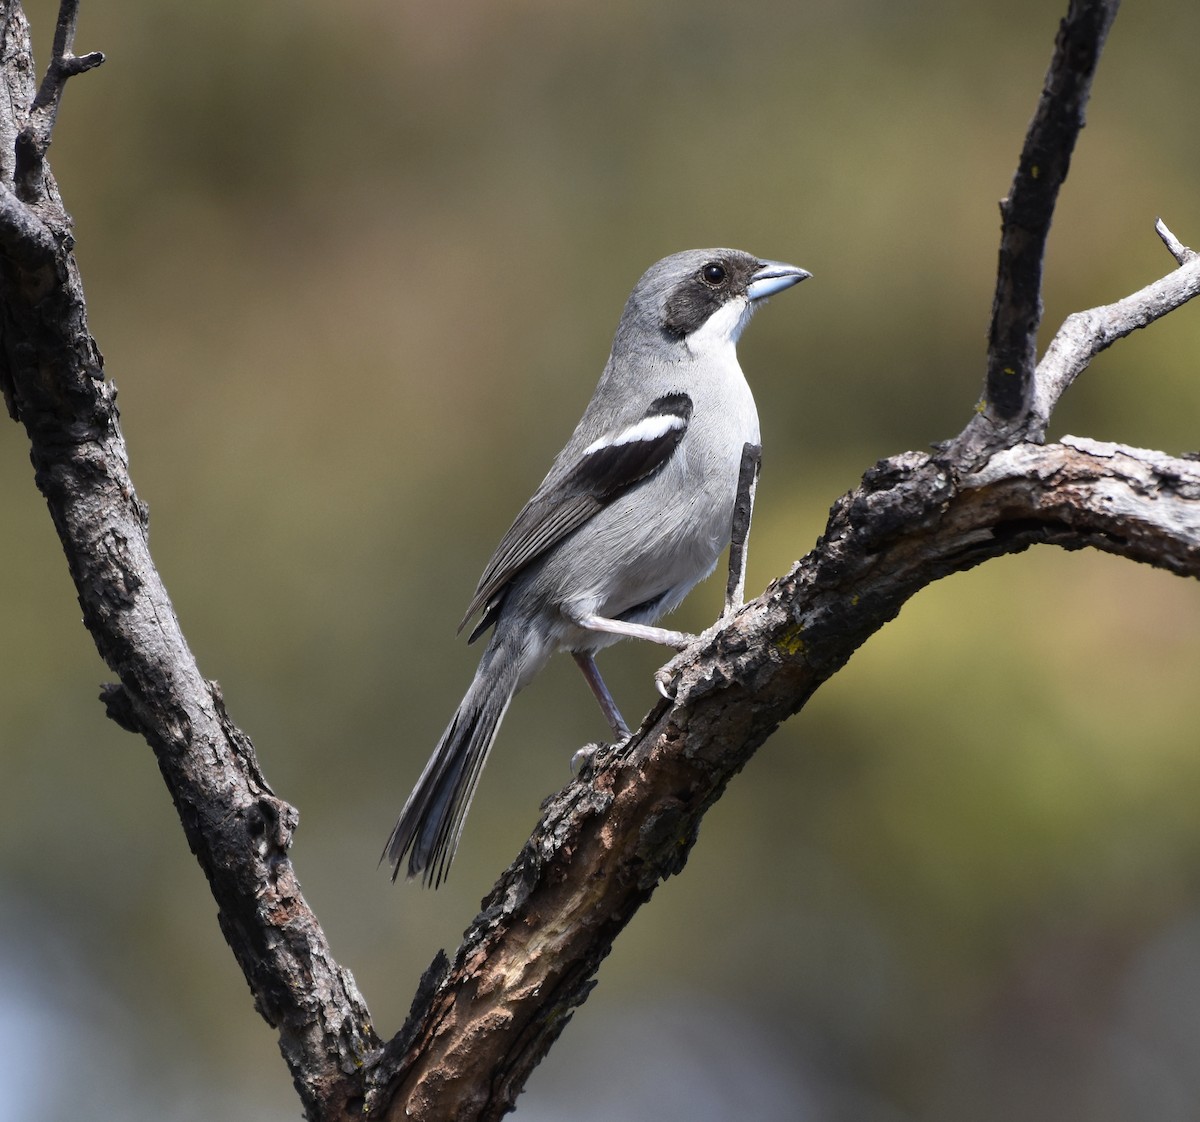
735 593
743 507
591 673
676 639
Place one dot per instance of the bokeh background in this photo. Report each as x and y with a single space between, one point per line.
355 268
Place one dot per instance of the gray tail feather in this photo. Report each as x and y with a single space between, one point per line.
432 820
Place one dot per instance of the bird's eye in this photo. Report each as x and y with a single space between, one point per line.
713 274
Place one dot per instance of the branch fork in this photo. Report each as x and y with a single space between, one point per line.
33 141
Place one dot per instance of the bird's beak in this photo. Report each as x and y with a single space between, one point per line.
772 277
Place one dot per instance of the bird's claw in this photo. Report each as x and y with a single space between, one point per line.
584 759
666 679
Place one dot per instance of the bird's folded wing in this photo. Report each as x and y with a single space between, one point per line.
603 471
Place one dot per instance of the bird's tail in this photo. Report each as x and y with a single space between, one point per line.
431 822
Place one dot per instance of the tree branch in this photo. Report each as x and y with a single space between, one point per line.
64 63
480 1024
240 832
26 237
606 840
482 1021
1084 335
629 821
34 139
1028 211
1178 250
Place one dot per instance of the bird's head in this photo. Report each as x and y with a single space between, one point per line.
705 296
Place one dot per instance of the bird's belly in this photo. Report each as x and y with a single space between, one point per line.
638 566
640 556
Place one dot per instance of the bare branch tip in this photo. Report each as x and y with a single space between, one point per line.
1178 250
79 64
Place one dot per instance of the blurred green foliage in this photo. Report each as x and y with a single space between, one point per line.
355 269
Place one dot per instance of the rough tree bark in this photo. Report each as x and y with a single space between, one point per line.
482 1020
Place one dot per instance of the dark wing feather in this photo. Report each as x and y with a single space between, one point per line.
563 505
546 519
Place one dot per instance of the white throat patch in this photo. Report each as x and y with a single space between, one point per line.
722 329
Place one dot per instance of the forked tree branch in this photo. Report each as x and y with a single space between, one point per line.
609 838
482 1021
34 138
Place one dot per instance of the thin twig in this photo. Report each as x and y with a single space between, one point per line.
34 138
1084 335
1179 251
64 63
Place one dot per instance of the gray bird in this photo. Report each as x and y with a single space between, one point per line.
656 480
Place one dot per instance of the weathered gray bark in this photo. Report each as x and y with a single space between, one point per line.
482 1021
53 378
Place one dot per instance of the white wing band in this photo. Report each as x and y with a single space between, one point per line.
648 429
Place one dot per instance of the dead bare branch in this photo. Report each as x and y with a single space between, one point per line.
33 140
1084 335
1179 251
482 1021
1029 209
606 840
54 381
